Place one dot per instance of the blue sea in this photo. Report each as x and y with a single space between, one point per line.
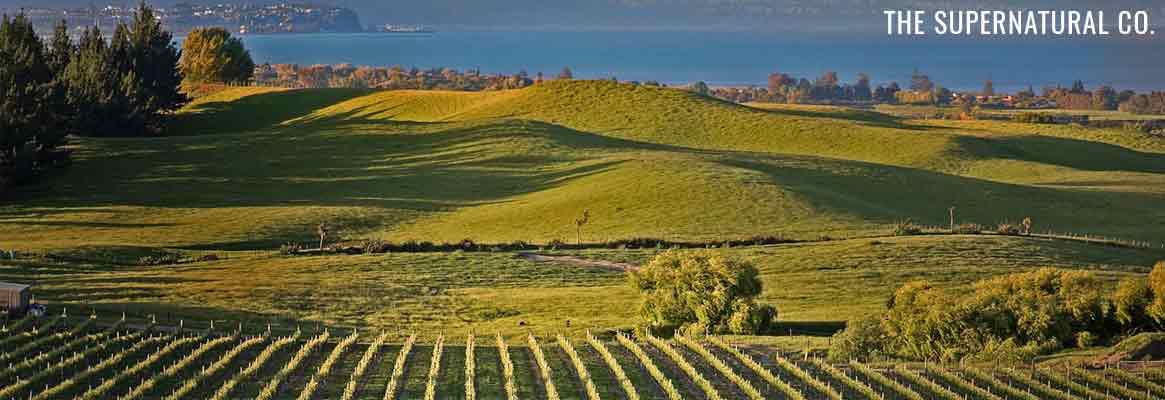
741 58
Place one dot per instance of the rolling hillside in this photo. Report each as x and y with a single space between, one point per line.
251 168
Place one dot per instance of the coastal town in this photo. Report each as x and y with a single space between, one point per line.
244 19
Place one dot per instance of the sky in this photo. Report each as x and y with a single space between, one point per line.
807 16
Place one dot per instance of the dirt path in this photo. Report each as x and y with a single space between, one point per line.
580 262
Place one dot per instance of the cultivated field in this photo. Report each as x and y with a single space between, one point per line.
60 358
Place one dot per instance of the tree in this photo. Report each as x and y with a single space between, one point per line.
702 291
1156 308
700 88
1078 87
920 82
60 49
1129 301
211 55
154 59
566 74
862 90
25 78
578 224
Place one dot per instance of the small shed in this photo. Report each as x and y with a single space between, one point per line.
14 297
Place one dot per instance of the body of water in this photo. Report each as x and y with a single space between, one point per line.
738 58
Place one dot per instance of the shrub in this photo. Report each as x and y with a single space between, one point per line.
288 249
375 246
861 340
160 259
556 244
1037 310
907 228
698 291
968 229
1007 229
1034 118
1085 339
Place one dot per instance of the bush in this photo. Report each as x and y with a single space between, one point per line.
1007 229
907 228
556 244
1034 118
376 246
288 249
968 229
1038 310
1085 339
861 340
160 259
702 291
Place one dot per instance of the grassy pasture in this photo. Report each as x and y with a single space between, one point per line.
816 286
256 167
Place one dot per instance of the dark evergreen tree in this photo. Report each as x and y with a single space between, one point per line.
154 58
24 81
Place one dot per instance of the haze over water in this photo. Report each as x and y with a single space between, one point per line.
740 58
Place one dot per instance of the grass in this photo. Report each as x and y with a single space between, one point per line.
245 170
522 165
816 286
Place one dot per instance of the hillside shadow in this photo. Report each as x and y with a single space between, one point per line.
889 194
452 165
256 111
862 117
1065 152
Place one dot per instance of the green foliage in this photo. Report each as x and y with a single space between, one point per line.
122 87
211 55
699 291
860 341
1156 309
25 92
1034 118
1043 308
1130 300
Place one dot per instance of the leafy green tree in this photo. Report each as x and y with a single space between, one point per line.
700 88
702 291
1156 308
211 55
1129 301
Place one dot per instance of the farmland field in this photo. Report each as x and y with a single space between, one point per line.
77 358
244 171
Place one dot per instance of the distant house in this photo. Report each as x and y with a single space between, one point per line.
14 297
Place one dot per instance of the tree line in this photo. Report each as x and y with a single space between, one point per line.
122 84
93 86
395 77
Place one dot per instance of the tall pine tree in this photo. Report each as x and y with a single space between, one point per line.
24 82
154 58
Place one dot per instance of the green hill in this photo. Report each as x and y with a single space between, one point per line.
251 168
